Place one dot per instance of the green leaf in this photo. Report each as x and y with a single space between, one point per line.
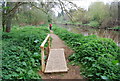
18 69
90 75
30 72
104 77
115 62
24 63
36 41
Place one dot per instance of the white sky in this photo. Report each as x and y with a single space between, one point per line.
84 4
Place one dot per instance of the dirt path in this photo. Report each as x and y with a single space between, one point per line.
73 73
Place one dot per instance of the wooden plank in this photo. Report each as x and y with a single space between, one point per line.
56 61
42 45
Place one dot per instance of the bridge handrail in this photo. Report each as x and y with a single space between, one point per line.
42 51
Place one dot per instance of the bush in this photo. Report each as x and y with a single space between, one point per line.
94 24
30 17
21 52
117 27
98 56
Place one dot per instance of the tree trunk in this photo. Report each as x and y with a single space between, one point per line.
8 24
10 12
3 25
3 16
8 17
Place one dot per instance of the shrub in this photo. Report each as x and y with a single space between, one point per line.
98 56
93 24
117 27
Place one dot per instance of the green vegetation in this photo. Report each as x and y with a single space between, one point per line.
98 56
98 11
27 13
20 45
21 52
98 14
30 17
117 27
93 24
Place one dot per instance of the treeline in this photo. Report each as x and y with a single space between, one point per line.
98 15
29 13
32 13
25 13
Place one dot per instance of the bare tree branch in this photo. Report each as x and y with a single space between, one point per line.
64 9
15 7
39 8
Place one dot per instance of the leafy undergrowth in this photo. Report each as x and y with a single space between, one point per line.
99 56
21 52
93 24
117 27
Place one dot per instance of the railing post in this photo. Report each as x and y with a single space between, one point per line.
49 44
42 51
42 59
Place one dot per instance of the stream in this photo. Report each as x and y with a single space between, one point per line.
115 35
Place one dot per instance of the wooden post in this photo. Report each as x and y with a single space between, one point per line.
49 44
42 51
42 59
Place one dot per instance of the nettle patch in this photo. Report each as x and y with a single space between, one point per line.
98 56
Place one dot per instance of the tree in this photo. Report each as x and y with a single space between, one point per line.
98 11
114 10
8 12
9 9
78 15
29 15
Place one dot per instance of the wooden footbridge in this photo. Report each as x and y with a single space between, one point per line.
56 59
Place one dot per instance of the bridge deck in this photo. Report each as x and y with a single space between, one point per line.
56 61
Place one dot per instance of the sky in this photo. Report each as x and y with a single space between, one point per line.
84 4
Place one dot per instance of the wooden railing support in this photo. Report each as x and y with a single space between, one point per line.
49 44
42 51
42 59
